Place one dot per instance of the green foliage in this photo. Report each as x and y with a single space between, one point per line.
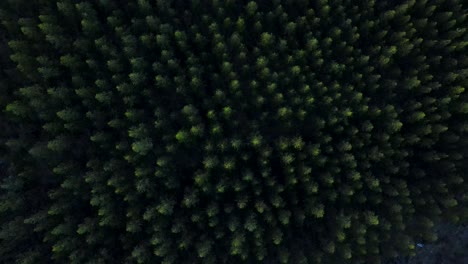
230 131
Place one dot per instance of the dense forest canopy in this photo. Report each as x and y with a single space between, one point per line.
292 131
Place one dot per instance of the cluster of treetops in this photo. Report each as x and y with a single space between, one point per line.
295 131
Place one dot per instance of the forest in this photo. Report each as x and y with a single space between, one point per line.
233 131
